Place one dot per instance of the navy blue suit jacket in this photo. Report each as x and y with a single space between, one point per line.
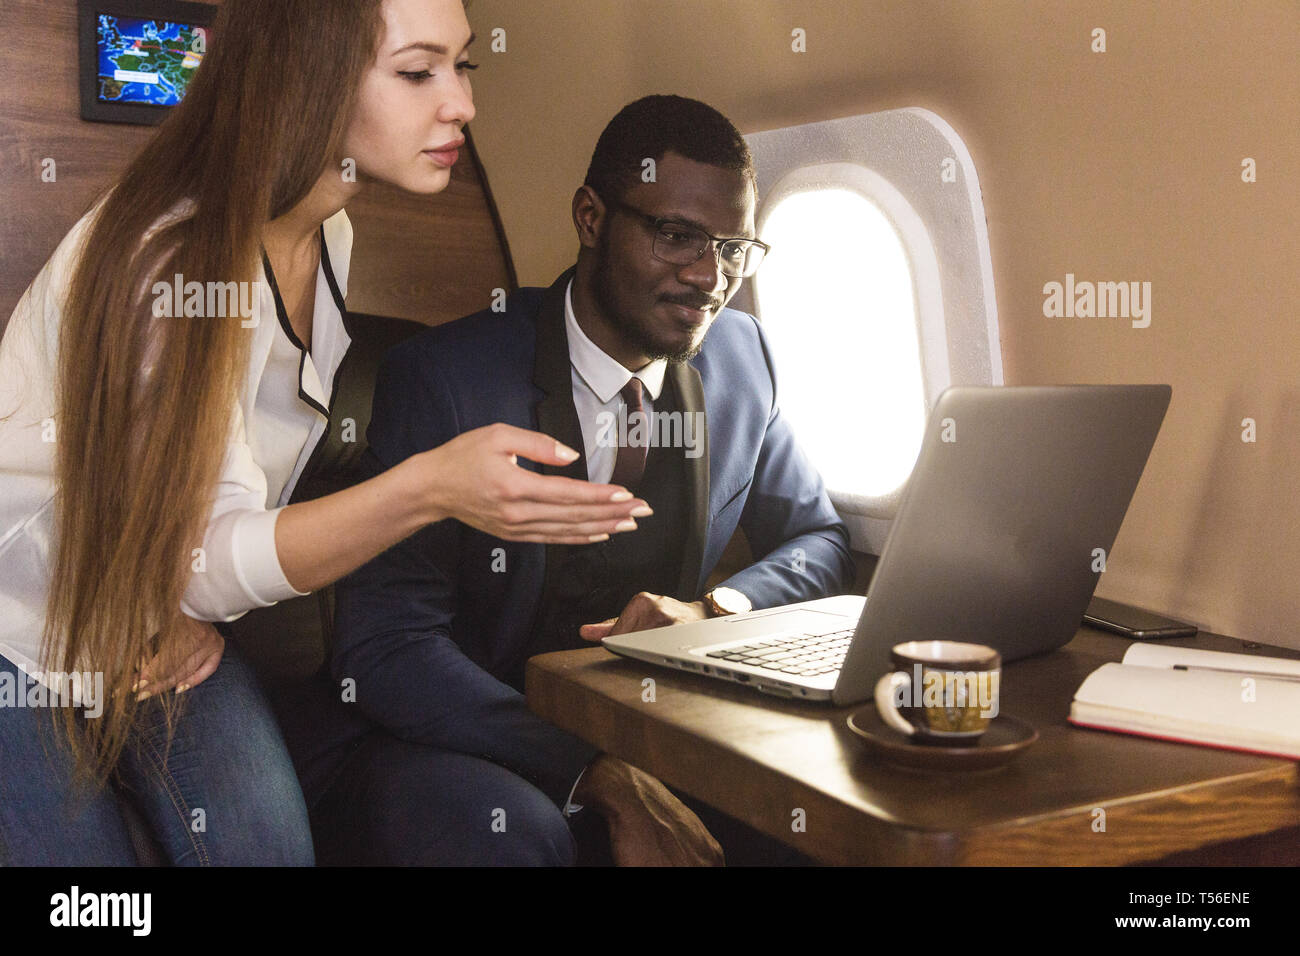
431 629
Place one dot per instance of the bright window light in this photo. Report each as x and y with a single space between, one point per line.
836 299
878 294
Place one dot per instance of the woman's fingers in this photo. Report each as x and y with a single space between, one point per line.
572 492
565 529
201 646
482 484
204 671
150 675
528 516
534 446
529 522
152 682
555 489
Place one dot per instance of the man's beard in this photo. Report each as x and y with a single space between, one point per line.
635 330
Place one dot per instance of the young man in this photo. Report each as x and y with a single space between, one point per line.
632 357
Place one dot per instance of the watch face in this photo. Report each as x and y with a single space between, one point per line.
730 600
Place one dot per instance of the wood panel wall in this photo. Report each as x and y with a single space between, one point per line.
427 258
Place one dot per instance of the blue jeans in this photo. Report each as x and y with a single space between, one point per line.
223 793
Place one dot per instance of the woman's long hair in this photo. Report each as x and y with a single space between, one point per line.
138 456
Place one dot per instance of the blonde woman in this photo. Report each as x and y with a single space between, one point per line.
146 458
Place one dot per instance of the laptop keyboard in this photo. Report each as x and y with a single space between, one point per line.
806 655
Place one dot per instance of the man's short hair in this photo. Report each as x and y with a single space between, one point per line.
654 125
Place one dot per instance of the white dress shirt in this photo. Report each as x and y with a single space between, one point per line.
597 381
281 414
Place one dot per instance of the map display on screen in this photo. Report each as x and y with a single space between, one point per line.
147 61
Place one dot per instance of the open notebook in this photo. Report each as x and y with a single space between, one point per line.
1212 698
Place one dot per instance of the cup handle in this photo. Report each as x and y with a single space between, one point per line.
885 701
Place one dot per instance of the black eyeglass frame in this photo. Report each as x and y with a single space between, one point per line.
658 222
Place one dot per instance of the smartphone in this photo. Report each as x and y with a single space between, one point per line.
1134 622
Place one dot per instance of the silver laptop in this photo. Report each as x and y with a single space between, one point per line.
1010 512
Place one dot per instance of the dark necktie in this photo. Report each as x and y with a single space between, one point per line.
629 466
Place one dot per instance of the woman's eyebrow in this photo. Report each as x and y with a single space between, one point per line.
436 48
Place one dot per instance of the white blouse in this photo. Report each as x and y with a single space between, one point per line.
282 413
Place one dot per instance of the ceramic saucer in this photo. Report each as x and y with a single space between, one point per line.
1006 738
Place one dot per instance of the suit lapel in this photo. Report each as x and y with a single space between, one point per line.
557 417
556 414
685 379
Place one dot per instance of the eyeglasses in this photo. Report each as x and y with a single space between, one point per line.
681 244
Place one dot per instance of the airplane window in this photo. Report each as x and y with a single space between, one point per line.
877 295
863 296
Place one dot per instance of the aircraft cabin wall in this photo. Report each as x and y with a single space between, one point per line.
1116 166
1127 165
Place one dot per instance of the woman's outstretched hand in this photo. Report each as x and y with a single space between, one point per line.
476 479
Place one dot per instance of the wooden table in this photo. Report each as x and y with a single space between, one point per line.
762 759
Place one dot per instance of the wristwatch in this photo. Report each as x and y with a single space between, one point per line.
721 601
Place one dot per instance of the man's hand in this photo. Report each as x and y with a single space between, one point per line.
643 612
648 826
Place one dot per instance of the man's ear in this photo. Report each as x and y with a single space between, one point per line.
588 216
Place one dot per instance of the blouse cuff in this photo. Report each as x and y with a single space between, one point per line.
257 563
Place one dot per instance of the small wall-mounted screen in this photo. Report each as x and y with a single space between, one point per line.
138 57
146 61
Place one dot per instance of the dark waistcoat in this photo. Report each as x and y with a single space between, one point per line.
589 583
